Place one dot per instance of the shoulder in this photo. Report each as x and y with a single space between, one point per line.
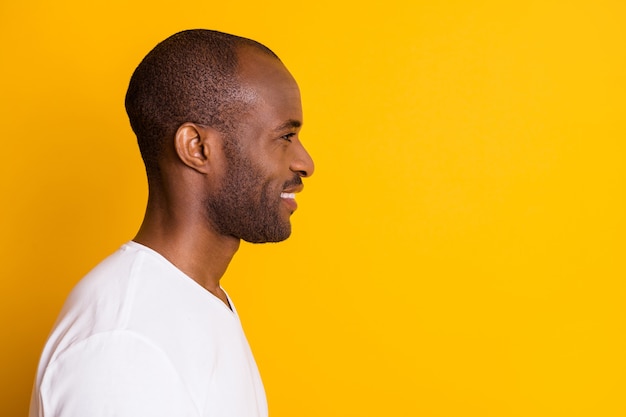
102 303
113 274
107 294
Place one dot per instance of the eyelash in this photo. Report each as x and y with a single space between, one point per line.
288 136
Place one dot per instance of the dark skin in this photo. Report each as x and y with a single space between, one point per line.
192 168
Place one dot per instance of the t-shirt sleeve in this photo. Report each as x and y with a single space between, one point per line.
116 374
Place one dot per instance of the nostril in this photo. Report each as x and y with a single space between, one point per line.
301 170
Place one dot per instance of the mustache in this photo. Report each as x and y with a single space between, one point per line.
295 181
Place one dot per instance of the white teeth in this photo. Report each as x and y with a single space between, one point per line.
288 195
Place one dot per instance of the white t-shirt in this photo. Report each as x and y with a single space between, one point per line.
139 338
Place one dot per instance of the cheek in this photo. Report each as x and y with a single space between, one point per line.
260 182
268 169
268 166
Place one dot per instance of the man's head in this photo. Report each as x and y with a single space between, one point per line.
189 77
217 85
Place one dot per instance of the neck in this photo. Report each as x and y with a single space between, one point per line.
184 237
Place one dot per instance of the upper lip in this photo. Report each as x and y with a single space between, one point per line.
294 189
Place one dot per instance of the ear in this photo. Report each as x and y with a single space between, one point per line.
193 145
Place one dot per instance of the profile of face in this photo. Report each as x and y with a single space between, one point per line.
264 158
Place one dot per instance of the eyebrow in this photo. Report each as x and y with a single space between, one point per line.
291 123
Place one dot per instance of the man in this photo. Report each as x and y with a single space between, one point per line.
150 332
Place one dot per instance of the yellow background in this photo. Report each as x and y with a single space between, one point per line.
459 251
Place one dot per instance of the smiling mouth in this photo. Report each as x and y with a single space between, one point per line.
289 199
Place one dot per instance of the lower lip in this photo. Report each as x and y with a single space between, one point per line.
290 203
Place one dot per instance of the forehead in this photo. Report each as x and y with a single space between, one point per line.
269 84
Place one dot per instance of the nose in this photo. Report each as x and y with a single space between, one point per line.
302 163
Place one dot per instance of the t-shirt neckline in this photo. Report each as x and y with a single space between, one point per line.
143 248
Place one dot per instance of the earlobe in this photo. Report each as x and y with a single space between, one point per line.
192 146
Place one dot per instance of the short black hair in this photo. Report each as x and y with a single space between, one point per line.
189 77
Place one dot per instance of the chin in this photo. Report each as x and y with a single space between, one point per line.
273 236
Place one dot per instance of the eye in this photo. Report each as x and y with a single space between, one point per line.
288 136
